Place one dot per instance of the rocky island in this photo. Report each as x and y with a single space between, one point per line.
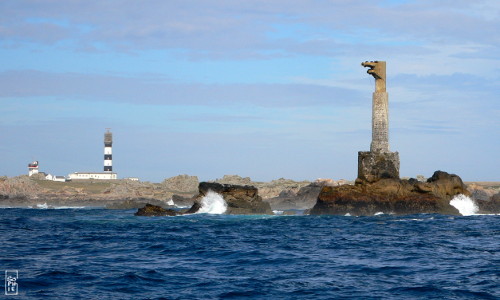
378 187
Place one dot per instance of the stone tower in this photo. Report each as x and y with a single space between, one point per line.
379 162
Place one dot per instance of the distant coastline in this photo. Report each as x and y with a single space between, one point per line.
282 194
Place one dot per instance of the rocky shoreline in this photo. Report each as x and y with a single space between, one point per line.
320 197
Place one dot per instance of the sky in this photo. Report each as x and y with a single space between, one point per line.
264 89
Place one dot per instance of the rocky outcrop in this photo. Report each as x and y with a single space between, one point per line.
267 190
182 184
491 206
392 196
135 203
20 187
304 198
24 191
240 199
483 191
155 211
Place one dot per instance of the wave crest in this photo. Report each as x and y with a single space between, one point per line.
212 203
465 205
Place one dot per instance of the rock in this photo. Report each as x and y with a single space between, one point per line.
446 185
134 203
483 191
234 180
496 197
155 211
182 183
267 190
392 195
304 198
182 201
240 199
489 207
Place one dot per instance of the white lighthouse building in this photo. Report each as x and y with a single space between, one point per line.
108 163
108 152
33 168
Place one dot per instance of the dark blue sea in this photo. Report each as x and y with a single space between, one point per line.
111 254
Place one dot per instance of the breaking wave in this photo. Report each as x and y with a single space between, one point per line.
46 206
465 205
212 203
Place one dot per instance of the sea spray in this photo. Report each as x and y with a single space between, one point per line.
212 203
464 204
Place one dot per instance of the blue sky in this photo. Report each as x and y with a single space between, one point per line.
264 89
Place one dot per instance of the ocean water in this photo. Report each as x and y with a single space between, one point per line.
111 254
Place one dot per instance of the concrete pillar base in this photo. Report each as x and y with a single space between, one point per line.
373 166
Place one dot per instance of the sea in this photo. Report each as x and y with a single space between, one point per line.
96 253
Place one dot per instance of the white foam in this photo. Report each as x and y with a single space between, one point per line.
42 206
171 202
379 213
212 203
69 207
465 205
278 212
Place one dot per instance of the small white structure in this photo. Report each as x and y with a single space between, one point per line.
132 178
92 175
33 168
55 178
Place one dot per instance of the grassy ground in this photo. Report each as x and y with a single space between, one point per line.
90 186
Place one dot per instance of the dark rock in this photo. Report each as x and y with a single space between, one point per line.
489 207
196 206
496 197
240 199
392 196
480 195
155 211
305 198
181 200
134 203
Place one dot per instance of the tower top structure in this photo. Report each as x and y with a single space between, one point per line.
378 71
379 162
108 138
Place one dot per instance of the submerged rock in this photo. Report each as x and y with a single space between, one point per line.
155 211
392 196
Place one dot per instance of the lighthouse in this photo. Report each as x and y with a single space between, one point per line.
108 153
33 168
379 162
108 173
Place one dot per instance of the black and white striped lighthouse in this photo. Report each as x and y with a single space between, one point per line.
108 153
